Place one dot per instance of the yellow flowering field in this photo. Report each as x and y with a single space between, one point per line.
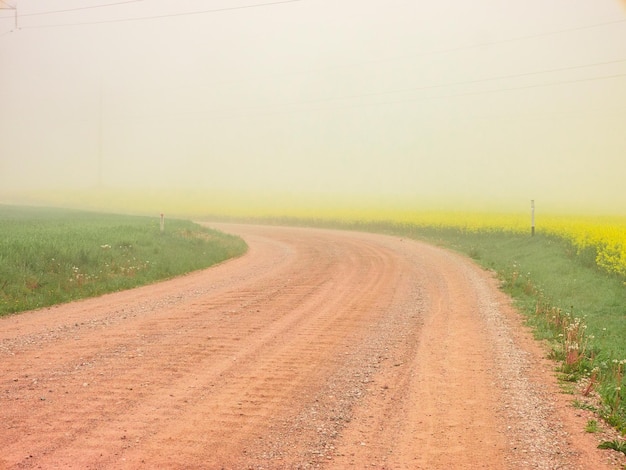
604 238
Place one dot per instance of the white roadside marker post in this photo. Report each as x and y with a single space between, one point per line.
532 217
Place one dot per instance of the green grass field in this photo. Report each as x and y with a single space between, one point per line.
51 256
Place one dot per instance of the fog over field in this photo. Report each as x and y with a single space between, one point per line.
402 100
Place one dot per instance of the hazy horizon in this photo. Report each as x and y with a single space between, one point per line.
392 101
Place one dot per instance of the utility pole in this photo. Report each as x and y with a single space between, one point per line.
5 5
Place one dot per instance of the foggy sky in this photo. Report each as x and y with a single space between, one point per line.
490 99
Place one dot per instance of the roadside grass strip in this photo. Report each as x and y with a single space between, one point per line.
51 256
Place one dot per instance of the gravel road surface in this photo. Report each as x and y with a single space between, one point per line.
317 349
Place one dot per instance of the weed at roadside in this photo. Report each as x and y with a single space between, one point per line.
592 426
615 444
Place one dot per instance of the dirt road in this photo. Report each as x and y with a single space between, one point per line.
317 349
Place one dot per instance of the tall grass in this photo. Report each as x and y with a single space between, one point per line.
49 256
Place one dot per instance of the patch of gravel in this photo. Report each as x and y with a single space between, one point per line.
307 439
537 440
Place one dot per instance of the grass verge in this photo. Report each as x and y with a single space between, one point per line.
51 256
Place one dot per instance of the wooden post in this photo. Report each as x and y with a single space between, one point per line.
532 217
100 139
162 222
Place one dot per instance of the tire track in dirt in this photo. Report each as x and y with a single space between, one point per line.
316 349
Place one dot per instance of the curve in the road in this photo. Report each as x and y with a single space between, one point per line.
316 349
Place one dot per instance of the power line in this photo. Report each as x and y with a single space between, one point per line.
293 106
485 92
539 35
168 15
498 90
480 80
490 43
5 5
467 47
469 82
539 85
80 8
384 103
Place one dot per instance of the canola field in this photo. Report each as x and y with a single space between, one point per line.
602 239
598 240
